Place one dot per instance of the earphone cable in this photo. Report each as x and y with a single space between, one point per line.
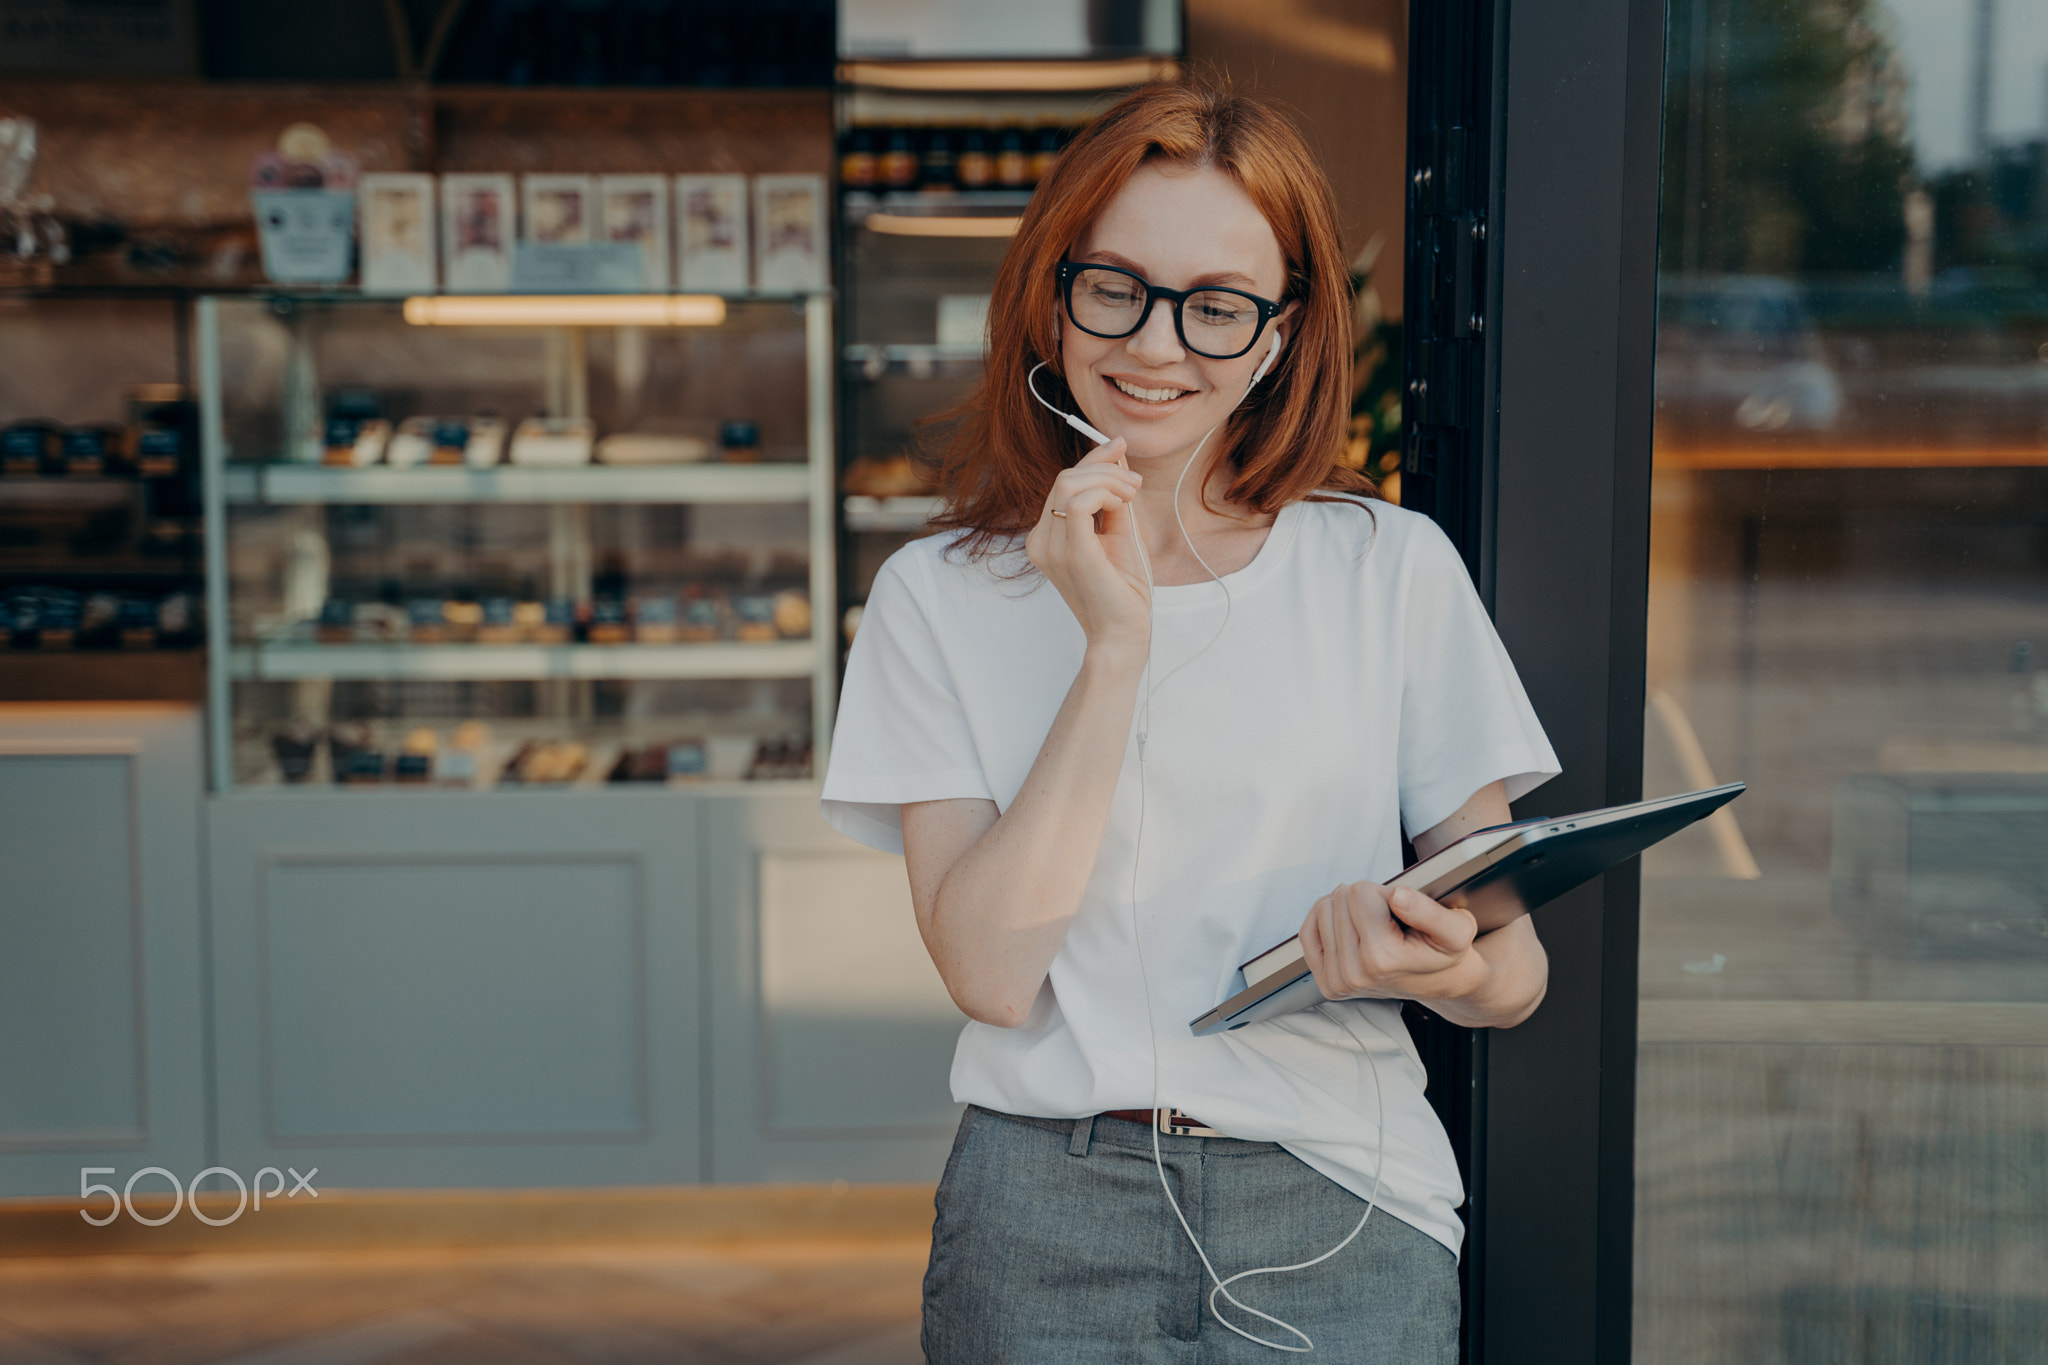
1221 1286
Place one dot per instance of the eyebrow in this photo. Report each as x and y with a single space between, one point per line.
1234 278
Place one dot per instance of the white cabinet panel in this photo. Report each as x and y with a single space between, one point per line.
832 1036
524 974
859 1028
100 1018
459 989
71 975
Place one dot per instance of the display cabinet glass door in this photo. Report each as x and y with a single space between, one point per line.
594 563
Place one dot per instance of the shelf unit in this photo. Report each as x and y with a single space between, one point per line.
694 483
567 493
295 661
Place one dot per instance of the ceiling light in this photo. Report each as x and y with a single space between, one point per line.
565 310
927 225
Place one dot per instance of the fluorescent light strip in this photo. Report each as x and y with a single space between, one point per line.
920 225
1007 75
565 310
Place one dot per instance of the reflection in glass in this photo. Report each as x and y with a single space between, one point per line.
1843 1078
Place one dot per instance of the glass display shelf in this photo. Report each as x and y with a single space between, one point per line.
912 360
865 513
629 620
296 660
693 483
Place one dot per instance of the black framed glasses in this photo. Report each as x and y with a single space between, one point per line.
1109 301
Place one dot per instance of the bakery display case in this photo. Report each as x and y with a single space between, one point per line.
100 582
567 544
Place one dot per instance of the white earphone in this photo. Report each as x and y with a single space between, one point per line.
1148 687
1031 382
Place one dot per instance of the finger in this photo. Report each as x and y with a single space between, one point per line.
1315 945
1448 930
1110 453
1359 971
1330 979
1071 481
1086 502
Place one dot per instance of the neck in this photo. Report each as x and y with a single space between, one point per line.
1213 524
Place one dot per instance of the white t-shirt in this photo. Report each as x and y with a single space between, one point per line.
1358 689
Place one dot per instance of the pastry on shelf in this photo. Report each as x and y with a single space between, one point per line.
429 440
792 609
427 623
457 765
553 442
465 618
30 448
416 755
378 623
500 624
608 624
337 622
411 443
654 620
755 614
95 450
703 620
884 476
547 761
649 447
356 756
353 442
294 747
557 624
486 445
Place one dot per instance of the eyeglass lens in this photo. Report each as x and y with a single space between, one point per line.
1214 322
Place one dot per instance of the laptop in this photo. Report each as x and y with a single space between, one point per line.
1499 874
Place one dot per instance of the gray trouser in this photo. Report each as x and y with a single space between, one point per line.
1055 1243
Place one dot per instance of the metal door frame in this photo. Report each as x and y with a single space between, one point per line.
1534 131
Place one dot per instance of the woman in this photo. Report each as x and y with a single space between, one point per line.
1130 717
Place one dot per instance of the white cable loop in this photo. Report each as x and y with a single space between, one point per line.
1221 1285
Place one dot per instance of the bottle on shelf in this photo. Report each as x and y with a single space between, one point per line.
898 164
859 169
975 168
938 172
1044 149
1012 165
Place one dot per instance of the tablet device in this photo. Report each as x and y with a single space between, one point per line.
1498 874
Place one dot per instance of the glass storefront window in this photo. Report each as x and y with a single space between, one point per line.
1842 1126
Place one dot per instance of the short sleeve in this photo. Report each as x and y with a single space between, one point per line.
1465 720
901 734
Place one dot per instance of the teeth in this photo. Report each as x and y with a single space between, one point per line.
1149 395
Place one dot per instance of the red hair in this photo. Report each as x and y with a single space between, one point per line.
1001 450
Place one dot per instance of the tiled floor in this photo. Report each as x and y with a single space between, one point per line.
803 1303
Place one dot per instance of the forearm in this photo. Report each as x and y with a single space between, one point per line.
1002 910
1501 981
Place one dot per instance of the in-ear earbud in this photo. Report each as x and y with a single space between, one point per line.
1272 354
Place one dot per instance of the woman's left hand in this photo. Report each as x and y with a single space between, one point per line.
1363 940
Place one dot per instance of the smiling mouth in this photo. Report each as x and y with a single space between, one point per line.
1149 395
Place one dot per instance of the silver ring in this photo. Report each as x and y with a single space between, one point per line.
1056 512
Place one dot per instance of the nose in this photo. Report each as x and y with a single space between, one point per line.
1156 343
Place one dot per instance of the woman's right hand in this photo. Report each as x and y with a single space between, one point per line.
1090 553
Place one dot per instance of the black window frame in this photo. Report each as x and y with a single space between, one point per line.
1529 306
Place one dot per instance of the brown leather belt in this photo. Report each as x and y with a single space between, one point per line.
1172 1122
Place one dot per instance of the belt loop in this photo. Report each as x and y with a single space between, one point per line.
1084 1133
